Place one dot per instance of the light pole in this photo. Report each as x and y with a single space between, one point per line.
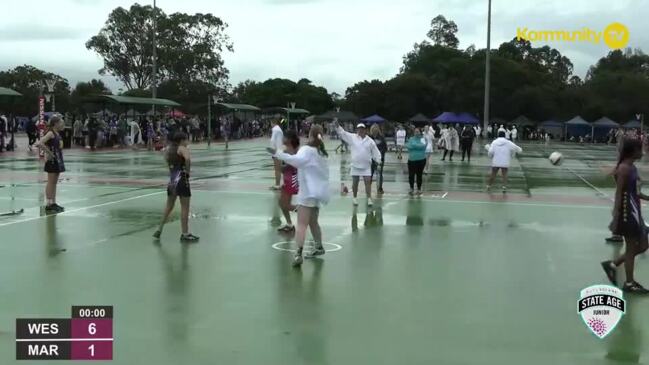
487 78
154 78
216 100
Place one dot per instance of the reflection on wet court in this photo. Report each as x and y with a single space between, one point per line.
458 276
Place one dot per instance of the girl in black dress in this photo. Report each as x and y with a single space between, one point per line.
179 162
52 145
627 216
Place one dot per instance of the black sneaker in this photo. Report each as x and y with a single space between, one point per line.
51 209
317 251
59 208
610 271
635 288
188 238
615 239
297 260
157 234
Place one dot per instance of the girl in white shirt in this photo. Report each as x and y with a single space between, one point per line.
313 180
501 151
363 150
276 143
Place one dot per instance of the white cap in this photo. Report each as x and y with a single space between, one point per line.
360 125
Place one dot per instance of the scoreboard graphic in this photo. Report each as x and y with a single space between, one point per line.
87 335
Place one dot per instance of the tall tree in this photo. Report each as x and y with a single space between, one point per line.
280 92
84 90
29 81
443 32
189 46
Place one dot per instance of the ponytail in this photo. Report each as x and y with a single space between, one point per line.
315 139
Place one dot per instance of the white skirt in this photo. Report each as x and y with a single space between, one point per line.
354 171
308 202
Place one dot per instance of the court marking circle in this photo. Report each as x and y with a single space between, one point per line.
329 247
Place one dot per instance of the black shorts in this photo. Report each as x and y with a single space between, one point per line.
181 189
53 167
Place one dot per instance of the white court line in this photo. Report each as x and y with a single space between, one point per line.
589 184
83 208
437 200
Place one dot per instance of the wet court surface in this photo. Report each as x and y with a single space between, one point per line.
456 277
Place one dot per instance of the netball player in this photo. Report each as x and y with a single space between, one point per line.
52 146
627 216
179 162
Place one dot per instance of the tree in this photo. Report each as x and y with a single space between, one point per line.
367 97
280 92
82 91
189 47
29 81
443 32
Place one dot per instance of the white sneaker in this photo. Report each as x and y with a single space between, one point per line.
355 201
369 202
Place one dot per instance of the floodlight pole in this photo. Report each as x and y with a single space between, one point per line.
154 78
209 120
487 78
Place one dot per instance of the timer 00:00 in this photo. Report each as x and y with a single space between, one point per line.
92 313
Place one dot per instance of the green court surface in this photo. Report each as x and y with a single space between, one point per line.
459 276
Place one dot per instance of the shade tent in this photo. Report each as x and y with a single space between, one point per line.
459 118
632 124
552 127
601 128
5 91
577 127
419 119
281 110
342 117
605 122
373 119
468 118
239 107
132 100
523 121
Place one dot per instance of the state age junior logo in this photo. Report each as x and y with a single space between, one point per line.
601 307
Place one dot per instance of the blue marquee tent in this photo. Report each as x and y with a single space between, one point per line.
601 128
553 127
460 118
632 124
577 127
373 119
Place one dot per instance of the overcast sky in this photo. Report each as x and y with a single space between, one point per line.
334 43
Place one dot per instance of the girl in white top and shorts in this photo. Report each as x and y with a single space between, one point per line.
313 179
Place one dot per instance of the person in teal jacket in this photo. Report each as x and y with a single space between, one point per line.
416 160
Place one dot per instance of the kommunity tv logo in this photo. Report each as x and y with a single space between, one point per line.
615 35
